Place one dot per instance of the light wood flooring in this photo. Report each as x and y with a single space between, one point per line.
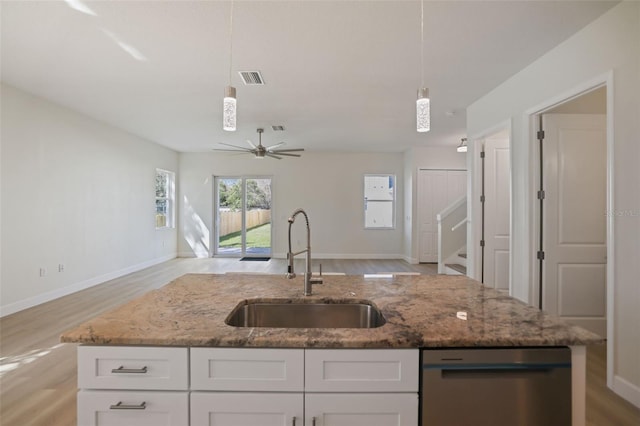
38 374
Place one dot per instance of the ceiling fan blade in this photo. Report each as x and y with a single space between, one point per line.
287 154
268 154
237 147
272 147
243 151
289 150
252 144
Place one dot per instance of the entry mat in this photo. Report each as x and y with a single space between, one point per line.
255 259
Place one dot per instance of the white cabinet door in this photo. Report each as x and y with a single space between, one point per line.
246 409
362 370
247 369
129 408
394 409
133 367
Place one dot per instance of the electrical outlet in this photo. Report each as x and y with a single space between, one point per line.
61 267
43 272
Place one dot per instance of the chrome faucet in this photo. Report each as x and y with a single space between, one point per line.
308 281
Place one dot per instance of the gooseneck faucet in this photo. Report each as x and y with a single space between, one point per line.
308 281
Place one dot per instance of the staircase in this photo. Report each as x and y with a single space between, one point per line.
452 238
458 265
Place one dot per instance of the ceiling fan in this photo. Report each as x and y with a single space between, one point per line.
261 151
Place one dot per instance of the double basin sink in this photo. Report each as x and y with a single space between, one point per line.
287 313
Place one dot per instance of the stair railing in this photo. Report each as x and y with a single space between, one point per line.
452 235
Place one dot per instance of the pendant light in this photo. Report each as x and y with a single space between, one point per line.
423 107
229 102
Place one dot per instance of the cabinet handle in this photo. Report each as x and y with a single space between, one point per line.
121 369
121 406
313 421
293 423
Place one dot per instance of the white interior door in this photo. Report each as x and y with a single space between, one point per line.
497 220
574 223
436 190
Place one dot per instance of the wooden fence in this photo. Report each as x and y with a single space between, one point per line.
231 221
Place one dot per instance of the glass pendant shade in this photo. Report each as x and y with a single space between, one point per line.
423 111
229 109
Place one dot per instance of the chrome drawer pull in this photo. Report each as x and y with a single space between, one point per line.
121 369
121 406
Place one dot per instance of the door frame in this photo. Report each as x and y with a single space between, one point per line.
530 128
474 207
215 238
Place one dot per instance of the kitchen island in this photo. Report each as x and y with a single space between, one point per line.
420 312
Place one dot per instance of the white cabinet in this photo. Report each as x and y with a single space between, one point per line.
358 370
133 367
131 408
246 409
247 386
232 369
384 409
152 386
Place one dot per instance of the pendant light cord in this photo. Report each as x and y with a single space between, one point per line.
422 42
230 41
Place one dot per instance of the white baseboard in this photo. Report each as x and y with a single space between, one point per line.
30 302
411 260
627 390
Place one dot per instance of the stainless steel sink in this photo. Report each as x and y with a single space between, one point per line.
288 314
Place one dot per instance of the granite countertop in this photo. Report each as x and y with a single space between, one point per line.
420 312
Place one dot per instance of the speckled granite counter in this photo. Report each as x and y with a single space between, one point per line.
420 312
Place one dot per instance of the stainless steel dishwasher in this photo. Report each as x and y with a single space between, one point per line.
496 387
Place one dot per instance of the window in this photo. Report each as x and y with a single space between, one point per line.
379 201
165 199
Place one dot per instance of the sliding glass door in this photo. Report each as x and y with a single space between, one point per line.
242 216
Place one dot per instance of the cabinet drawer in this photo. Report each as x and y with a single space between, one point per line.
250 369
362 370
247 409
131 408
122 367
391 409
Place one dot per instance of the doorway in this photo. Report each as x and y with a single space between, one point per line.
242 207
437 188
572 199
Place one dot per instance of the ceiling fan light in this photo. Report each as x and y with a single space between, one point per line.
229 109
423 110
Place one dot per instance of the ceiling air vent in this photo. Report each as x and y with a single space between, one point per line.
251 78
278 128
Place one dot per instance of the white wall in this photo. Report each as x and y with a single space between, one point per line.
328 185
423 158
609 44
77 192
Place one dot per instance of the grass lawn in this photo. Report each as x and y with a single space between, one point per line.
259 236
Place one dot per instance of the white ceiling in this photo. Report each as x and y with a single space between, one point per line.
340 75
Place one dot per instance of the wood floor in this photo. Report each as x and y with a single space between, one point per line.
38 374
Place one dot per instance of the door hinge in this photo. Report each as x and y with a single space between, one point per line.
540 255
541 194
482 198
540 135
481 243
481 154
